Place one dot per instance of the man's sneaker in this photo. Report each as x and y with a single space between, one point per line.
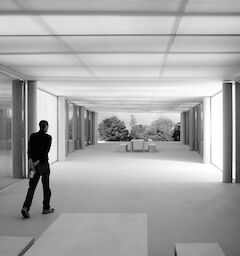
51 210
25 213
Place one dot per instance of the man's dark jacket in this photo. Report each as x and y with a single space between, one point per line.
39 146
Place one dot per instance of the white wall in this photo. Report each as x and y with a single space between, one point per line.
47 110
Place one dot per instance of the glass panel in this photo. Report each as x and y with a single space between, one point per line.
5 128
47 110
70 122
86 126
217 130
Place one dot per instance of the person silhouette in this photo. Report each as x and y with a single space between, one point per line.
38 148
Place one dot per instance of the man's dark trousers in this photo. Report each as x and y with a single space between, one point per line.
46 190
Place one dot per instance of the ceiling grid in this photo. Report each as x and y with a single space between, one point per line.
154 56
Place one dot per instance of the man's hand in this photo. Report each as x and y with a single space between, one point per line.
30 164
36 163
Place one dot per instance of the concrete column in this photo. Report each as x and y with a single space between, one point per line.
17 129
206 130
75 126
191 129
95 128
187 128
237 143
61 129
196 124
82 129
182 128
200 125
32 107
227 132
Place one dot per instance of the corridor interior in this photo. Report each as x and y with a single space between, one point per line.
183 199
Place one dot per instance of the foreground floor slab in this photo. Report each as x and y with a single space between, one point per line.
94 234
14 245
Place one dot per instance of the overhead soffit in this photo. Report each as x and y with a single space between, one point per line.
123 43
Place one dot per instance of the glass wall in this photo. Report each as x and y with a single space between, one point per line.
6 128
86 126
69 127
198 128
217 130
47 110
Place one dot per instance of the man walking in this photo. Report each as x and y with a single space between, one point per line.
38 148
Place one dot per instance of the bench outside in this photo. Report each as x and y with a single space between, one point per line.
15 245
152 147
123 147
198 249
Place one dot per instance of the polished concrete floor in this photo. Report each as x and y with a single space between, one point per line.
184 199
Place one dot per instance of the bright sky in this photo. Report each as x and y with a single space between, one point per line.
141 118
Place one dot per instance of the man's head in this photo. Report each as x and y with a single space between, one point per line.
43 125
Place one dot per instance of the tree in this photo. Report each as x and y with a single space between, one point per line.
133 123
113 129
140 131
161 129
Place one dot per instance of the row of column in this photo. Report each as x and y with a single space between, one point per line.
228 119
195 132
79 127
25 123
188 122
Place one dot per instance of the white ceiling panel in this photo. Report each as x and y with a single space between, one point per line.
27 44
198 72
4 77
122 59
122 55
204 59
125 71
117 43
109 24
19 25
36 60
210 25
206 44
42 71
105 5
213 6
7 5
